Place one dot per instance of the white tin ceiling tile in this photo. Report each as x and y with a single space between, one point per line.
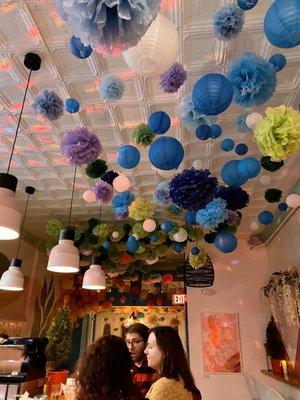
129 115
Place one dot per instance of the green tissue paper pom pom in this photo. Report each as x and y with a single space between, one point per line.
53 228
273 195
101 230
138 230
269 165
142 135
96 169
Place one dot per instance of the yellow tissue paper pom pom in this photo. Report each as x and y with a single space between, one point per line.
198 261
141 209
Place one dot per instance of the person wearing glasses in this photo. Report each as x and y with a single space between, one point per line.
136 340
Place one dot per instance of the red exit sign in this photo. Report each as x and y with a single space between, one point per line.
178 299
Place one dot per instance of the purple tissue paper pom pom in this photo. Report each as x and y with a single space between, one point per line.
173 78
80 146
109 177
48 104
103 192
228 22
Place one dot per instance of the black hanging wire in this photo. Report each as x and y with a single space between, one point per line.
29 190
72 197
100 211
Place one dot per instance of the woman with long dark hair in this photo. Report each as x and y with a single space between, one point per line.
166 355
104 372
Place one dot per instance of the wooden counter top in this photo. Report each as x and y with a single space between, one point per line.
293 380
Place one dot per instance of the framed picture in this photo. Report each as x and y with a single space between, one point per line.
221 350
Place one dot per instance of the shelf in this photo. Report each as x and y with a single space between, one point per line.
292 381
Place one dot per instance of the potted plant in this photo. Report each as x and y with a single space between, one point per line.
58 349
275 347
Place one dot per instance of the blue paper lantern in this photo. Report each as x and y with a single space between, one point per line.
247 4
225 241
227 144
166 226
72 105
106 245
212 94
178 247
282 23
153 238
159 122
241 149
249 167
216 131
203 132
132 245
78 49
166 153
265 217
128 156
195 251
278 60
190 218
282 206
231 175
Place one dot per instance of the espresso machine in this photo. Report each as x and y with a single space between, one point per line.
22 367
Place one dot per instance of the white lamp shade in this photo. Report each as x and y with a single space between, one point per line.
149 225
180 236
13 279
64 257
10 216
157 50
94 278
293 200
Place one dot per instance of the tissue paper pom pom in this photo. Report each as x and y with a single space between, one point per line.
111 88
121 216
101 231
235 197
108 25
171 80
277 135
273 195
240 123
103 192
189 116
162 193
53 228
121 201
199 260
253 79
141 209
109 176
269 165
96 169
80 146
213 214
138 230
228 22
193 189
142 135
174 210
49 105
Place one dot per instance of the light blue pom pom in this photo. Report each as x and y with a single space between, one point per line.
111 88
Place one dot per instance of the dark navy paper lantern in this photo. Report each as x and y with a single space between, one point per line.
227 144
282 206
216 131
153 238
72 105
212 94
132 245
226 242
195 251
282 23
278 60
159 122
203 132
241 149
128 156
230 174
78 49
249 167
166 153
247 4
178 247
190 218
265 217
166 226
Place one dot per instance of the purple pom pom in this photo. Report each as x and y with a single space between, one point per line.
80 146
236 198
49 104
103 192
109 177
121 216
173 78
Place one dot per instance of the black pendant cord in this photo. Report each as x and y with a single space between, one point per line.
72 197
19 121
100 210
23 223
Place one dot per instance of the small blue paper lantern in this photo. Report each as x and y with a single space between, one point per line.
178 247
282 206
212 94
230 174
241 149
106 245
78 49
72 105
216 131
249 167
166 153
282 23
227 144
190 218
132 245
166 226
195 251
203 132
278 60
247 4
128 156
226 242
159 122
153 238
265 217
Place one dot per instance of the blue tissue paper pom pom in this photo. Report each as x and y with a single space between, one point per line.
162 193
121 201
227 144
228 22
213 214
78 49
111 88
159 122
241 149
278 60
189 116
203 132
240 123
216 131
72 105
265 217
49 105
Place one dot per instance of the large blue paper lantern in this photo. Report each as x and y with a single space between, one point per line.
78 49
159 122
278 60
216 131
190 218
247 4
249 167
230 174
132 245
128 156
166 153
227 144
226 242
72 105
166 226
265 217
212 94
282 23
203 132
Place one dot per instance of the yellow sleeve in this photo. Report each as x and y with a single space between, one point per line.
161 390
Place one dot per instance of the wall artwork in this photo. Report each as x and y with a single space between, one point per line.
221 343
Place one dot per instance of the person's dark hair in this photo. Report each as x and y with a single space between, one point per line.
174 362
140 329
4 335
104 371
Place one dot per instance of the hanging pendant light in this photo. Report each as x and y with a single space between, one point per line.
10 216
64 257
13 279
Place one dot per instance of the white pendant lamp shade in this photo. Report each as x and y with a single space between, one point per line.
64 257
157 50
13 279
94 278
10 215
